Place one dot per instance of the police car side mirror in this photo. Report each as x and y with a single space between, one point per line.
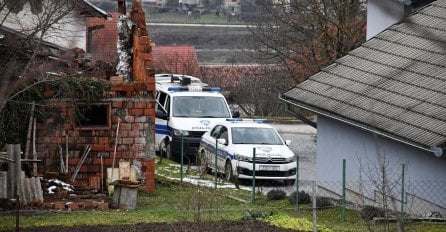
160 114
287 142
236 114
221 141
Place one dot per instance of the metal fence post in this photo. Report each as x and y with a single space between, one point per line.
215 168
343 190
402 191
314 206
297 184
182 159
253 175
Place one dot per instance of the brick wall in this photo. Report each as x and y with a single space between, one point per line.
102 43
130 105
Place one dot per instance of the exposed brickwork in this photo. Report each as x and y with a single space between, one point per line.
102 44
130 105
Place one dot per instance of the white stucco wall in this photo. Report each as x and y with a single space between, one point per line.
382 14
69 32
337 141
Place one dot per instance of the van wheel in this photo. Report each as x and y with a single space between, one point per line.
168 153
163 149
228 171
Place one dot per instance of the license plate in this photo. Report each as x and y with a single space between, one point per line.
269 168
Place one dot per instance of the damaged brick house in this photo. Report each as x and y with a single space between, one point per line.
120 125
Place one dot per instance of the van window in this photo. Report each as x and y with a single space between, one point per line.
199 107
161 97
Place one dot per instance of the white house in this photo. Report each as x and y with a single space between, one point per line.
382 108
65 30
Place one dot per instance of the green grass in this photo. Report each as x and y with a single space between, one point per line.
174 202
174 17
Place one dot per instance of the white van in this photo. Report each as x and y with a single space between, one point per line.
186 108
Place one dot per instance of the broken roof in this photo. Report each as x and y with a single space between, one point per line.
393 85
89 8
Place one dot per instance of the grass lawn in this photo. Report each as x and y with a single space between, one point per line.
173 202
175 17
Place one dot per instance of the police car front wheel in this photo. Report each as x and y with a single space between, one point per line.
228 171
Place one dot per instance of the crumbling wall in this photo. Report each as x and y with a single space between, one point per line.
129 125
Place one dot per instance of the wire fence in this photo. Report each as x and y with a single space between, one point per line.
374 203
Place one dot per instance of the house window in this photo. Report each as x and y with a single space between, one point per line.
93 116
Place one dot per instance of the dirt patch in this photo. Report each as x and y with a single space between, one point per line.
233 226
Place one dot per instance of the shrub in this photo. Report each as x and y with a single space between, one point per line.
276 194
303 198
324 202
369 212
256 214
299 224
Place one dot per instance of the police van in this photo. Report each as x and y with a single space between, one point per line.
185 110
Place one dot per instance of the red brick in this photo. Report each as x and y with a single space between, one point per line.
128 105
59 205
140 105
137 126
125 126
83 168
137 147
93 168
48 205
102 205
109 162
128 140
98 147
133 134
123 147
122 133
115 119
141 119
73 161
104 140
136 112
140 140
73 205
95 182
129 119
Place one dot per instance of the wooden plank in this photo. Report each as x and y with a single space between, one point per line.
11 171
18 168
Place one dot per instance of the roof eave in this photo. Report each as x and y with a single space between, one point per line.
437 151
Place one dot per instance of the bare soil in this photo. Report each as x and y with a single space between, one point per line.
220 226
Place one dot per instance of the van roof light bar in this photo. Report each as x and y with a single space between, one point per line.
194 88
258 120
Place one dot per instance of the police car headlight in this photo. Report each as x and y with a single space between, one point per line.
180 132
291 159
240 157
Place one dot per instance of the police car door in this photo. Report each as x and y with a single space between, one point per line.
162 130
221 161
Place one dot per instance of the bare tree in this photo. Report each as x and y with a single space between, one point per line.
29 63
252 90
307 35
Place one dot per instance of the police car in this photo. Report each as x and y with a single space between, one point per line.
185 109
238 141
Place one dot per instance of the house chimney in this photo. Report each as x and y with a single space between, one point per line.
137 15
121 7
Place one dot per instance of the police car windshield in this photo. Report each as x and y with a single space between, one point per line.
255 135
199 107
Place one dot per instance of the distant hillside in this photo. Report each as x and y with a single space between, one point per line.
202 37
214 45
